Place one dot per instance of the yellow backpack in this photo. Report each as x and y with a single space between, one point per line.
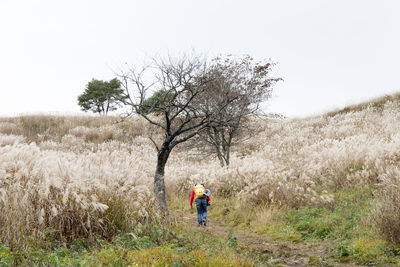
199 190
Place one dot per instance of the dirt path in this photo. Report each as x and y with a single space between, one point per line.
281 253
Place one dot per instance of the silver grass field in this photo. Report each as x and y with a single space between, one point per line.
93 175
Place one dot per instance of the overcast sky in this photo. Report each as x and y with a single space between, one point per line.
330 53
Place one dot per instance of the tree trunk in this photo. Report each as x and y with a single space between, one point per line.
221 159
227 150
227 156
159 185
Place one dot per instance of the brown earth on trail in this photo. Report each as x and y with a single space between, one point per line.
281 253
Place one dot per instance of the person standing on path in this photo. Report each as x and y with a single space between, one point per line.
201 196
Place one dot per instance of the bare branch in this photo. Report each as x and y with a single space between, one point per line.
154 143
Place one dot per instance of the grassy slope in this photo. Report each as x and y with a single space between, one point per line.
345 227
343 234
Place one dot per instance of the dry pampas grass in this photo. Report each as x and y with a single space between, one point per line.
96 177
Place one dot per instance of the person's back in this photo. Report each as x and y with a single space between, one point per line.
201 196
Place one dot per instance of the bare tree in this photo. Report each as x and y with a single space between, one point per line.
237 88
184 98
179 113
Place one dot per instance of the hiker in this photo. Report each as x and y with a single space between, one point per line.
201 196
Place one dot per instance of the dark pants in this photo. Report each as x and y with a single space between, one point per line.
201 206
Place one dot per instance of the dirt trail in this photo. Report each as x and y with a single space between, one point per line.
279 252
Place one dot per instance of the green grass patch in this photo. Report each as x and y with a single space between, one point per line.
342 222
347 225
281 231
368 251
144 246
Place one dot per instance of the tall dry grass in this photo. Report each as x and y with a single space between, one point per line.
38 128
77 194
90 175
386 215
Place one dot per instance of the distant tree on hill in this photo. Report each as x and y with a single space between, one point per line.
101 96
156 103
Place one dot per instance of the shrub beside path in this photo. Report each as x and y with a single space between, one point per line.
274 252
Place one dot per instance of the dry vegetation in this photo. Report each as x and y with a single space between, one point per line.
90 175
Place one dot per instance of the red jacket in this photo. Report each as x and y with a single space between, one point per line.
192 197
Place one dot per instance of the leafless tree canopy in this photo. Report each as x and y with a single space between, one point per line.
182 82
237 88
184 97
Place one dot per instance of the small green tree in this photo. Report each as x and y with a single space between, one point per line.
101 96
157 102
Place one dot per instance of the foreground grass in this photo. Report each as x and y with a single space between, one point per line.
154 246
345 228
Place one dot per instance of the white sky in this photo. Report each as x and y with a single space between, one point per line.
330 53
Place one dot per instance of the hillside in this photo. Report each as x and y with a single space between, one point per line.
330 180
